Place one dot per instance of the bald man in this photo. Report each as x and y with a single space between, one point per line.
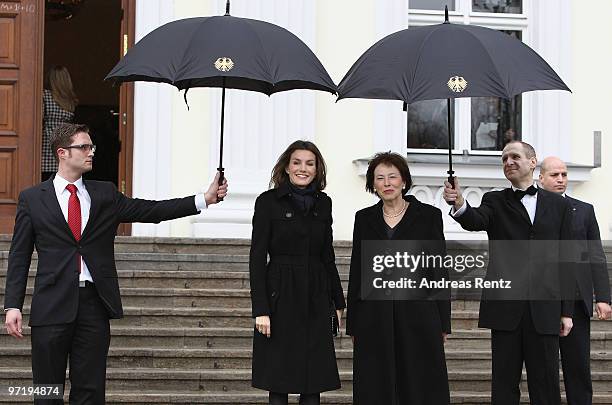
592 276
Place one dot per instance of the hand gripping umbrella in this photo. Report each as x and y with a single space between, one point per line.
226 52
447 61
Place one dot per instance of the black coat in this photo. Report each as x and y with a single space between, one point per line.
398 344
505 218
592 271
297 288
39 222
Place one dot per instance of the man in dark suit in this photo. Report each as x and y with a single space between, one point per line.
591 277
73 223
525 324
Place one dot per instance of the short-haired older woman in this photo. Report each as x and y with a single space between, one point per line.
295 291
398 345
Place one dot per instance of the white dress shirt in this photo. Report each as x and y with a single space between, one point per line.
63 195
528 201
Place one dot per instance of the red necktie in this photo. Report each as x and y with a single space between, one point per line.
74 216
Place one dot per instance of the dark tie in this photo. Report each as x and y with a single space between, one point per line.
521 193
74 216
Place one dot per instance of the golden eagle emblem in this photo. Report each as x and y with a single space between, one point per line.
457 84
224 64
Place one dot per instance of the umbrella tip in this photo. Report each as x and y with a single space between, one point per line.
445 15
227 7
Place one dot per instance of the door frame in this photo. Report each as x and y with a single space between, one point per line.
126 109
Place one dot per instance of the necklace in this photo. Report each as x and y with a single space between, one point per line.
397 214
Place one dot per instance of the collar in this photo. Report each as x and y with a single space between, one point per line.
284 190
60 183
516 188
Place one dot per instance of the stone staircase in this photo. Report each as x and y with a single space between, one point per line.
186 335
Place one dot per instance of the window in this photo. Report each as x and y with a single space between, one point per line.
428 124
431 4
481 125
497 6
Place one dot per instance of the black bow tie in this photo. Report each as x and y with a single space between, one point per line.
521 193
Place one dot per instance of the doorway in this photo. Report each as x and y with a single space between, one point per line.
89 37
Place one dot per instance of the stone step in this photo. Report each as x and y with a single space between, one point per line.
218 381
175 297
260 397
181 261
136 244
175 279
169 279
240 358
178 338
170 297
241 318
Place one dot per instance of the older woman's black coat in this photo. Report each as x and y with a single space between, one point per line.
398 355
296 288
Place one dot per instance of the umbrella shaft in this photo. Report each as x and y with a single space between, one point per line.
450 135
222 125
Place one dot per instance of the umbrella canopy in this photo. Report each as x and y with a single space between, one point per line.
226 52
447 61
200 52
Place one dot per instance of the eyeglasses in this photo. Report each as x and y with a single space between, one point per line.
85 147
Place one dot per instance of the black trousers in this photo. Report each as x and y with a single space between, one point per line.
276 398
84 342
576 359
540 353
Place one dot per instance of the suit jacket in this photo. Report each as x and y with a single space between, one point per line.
39 223
527 254
591 272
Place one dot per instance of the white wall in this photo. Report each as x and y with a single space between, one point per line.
591 103
344 129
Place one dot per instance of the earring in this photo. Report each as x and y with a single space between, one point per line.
375 190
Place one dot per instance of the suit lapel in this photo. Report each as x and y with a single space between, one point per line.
541 207
516 206
376 220
411 214
94 207
50 201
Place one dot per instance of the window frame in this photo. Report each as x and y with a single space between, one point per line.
463 14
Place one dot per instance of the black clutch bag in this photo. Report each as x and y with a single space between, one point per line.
334 322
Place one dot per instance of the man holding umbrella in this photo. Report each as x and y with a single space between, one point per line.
523 329
73 223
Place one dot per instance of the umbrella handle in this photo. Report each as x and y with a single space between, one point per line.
221 178
451 180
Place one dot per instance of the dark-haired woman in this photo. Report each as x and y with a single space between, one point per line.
294 293
398 344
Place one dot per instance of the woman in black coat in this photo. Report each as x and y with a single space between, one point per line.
295 292
398 344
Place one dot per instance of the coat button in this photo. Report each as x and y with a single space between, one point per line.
274 293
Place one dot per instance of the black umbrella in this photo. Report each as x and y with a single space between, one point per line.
227 52
447 61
